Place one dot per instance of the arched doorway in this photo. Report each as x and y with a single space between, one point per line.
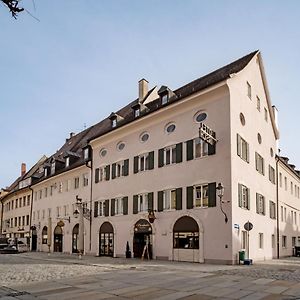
106 240
58 239
44 235
186 240
34 240
75 233
142 237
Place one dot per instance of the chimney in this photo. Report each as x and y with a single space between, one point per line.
72 134
143 89
23 169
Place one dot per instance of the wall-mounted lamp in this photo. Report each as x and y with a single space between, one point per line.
220 193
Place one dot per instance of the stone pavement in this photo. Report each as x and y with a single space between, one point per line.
39 276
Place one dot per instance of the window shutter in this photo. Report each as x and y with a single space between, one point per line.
189 197
160 158
135 164
113 171
257 203
248 198
240 194
151 160
238 139
97 175
112 207
212 201
247 152
96 209
178 198
150 201
264 206
190 150
135 204
106 211
125 205
160 201
211 149
126 167
107 172
178 153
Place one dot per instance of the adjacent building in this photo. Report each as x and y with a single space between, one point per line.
174 175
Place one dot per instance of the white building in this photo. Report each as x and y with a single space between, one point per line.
144 176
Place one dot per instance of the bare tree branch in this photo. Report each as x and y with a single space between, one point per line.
13 6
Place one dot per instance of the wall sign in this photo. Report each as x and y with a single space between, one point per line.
207 134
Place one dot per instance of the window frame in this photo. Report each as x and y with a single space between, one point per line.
195 198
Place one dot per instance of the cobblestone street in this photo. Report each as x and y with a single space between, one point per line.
39 276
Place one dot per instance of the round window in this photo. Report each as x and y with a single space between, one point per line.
103 152
200 117
120 146
242 119
259 138
170 128
144 137
271 152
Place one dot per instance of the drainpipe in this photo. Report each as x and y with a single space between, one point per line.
91 198
1 219
30 217
277 206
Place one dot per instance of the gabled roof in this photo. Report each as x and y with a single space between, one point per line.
77 142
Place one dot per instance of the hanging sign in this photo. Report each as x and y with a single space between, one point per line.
207 134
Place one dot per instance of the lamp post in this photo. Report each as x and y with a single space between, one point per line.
81 212
220 193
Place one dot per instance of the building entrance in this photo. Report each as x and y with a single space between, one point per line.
75 233
142 237
58 239
34 241
106 240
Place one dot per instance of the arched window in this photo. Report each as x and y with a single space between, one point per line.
186 234
45 235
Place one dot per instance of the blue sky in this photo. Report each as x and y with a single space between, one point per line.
84 58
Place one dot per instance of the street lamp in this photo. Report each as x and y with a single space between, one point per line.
220 193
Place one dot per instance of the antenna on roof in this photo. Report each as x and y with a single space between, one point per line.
84 125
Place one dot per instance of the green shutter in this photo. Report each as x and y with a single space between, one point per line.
96 209
135 204
135 164
178 198
178 153
212 196
151 160
106 211
248 155
189 197
240 194
160 158
160 201
211 149
190 150
97 175
125 205
248 192
126 167
150 201
238 140
113 171
107 172
112 207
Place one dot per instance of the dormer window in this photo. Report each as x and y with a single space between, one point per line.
114 123
52 168
86 154
137 112
67 161
164 99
